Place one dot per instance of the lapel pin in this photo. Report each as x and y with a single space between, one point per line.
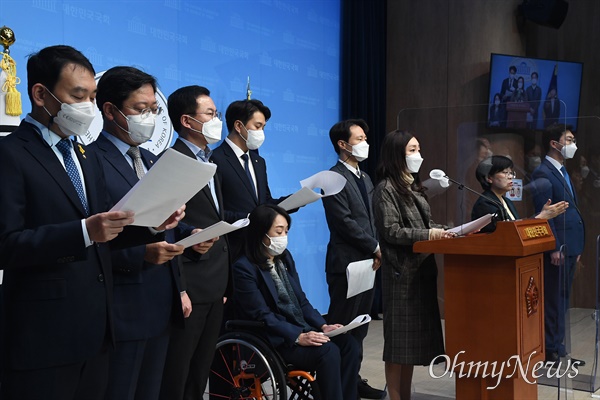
81 150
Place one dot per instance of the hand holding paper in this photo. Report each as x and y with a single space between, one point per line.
361 277
356 322
472 226
330 182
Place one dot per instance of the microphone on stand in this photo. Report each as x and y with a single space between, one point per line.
445 180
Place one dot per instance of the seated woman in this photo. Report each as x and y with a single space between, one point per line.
495 174
267 289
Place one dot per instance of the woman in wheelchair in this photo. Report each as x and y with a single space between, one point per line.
267 289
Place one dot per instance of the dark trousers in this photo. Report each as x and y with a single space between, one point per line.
136 368
557 292
336 364
343 310
191 353
80 381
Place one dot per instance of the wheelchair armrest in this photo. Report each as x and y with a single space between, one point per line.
240 324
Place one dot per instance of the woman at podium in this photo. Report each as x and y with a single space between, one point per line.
412 326
495 174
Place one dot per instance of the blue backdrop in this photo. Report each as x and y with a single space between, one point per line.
288 48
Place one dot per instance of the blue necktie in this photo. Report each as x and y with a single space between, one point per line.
247 168
64 146
567 179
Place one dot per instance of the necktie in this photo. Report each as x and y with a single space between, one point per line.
64 146
567 179
138 165
248 174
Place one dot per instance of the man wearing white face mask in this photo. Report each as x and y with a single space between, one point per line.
242 170
534 96
147 287
54 230
197 122
352 232
551 181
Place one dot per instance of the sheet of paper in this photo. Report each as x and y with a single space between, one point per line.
358 321
219 229
361 277
170 183
329 182
472 226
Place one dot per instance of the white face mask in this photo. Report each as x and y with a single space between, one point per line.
568 150
413 162
277 246
534 81
497 102
211 130
140 129
74 119
585 171
360 151
519 85
255 138
534 162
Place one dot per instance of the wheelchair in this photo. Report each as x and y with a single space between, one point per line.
245 366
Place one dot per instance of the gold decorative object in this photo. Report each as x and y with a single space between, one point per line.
8 65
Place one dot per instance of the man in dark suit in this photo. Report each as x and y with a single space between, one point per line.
352 235
196 120
534 96
147 286
551 108
551 181
509 85
53 234
242 171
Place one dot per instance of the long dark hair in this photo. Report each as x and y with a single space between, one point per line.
392 163
261 220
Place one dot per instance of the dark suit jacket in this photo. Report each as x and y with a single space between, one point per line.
483 207
146 295
352 235
56 291
238 200
551 115
568 228
205 275
506 86
534 96
256 300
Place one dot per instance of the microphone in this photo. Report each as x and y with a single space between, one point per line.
444 180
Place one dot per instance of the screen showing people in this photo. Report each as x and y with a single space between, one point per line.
532 93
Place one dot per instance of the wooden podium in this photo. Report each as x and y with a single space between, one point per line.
516 114
494 307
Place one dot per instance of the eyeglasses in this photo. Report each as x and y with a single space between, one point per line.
211 114
509 174
147 111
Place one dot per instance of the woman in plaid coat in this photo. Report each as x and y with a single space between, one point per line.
412 326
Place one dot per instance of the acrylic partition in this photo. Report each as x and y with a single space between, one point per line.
456 140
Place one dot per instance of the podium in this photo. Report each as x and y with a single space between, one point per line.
516 114
494 308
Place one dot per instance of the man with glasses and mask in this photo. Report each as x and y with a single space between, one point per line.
551 181
352 235
198 123
147 288
53 239
242 170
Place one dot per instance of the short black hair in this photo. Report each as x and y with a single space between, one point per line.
341 131
117 84
46 65
184 101
243 110
491 166
535 73
553 133
512 68
261 220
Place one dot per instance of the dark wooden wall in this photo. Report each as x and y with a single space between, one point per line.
438 54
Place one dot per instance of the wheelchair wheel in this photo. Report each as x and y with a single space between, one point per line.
245 368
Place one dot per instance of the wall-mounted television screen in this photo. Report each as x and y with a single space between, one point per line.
533 93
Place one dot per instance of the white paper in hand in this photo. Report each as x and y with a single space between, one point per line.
329 181
356 322
169 184
219 229
472 226
361 277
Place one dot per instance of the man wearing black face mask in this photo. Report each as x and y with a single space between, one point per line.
551 181
53 239
352 232
147 287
